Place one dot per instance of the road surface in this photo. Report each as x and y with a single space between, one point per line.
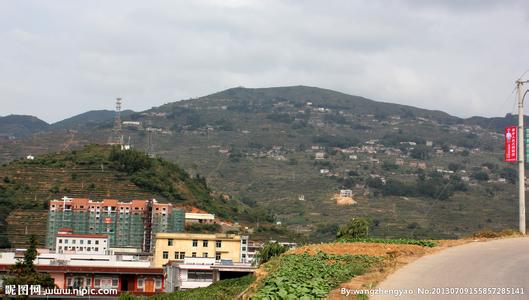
493 264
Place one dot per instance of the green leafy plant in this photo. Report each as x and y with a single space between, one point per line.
270 250
304 276
356 228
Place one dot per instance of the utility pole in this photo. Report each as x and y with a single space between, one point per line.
521 157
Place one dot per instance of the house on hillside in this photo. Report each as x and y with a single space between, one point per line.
319 155
346 193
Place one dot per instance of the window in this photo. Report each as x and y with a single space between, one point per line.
193 254
195 243
115 282
169 242
175 255
205 254
97 282
199 275
243 248
97 248
60 241
165 255
204 243
218 244
97 242
89 242
182 255
217 256
244 242
244 256
66 241
140 283
73 242
158 283
81 242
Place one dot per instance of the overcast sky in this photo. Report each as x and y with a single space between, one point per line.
60 58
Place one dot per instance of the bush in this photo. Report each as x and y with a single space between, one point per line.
480 175
270 250
356 228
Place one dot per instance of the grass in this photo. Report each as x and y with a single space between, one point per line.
424 243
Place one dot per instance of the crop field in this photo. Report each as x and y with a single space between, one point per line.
304 276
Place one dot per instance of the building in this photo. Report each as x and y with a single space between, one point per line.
68 242
124 273
319 155
128 224
178 246
346 193
195 272
202 218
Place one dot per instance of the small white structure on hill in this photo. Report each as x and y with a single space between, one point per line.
346 193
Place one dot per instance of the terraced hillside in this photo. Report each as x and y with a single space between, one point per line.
94 172
415 172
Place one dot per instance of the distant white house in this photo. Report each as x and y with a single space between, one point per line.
346 193
30 157
199 218
324 171
320 155
131 123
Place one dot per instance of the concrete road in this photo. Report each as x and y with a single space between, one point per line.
494 264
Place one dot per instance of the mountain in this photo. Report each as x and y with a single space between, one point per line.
21 125
95 172
286 152
89 118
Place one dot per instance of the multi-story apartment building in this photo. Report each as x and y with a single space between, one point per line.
177 246
127 224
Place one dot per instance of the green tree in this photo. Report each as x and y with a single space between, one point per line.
356 228
270 250
481 176
24 271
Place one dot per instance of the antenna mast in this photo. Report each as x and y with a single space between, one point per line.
116 137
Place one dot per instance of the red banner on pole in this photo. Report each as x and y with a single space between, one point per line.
511 143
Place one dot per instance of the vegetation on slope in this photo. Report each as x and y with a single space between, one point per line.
259 145
304 276
99 172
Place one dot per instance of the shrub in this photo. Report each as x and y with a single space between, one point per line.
270 250
356 228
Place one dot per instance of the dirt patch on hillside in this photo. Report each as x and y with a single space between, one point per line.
371 249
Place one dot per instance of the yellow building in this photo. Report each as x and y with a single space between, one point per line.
177 246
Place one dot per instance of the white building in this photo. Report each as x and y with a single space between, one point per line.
320 155
195 272
199 218
346 193
67 242
45 257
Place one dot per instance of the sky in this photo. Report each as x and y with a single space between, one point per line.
64 57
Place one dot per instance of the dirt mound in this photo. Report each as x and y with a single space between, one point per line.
371 249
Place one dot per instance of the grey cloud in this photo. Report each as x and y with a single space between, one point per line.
65 57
